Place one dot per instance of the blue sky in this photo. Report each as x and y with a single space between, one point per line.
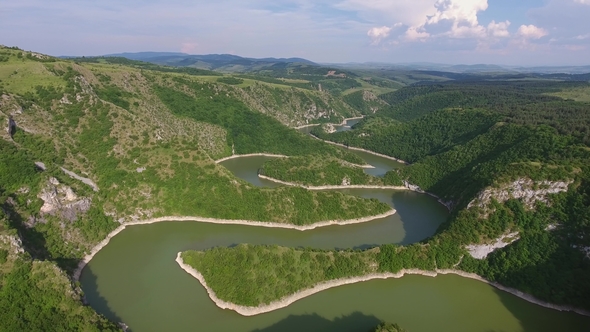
512 32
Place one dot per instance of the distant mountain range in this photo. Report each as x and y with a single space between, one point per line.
476 68
234 63
220 62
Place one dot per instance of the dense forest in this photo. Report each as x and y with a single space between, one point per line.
464 137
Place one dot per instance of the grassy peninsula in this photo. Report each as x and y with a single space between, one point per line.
318 170
280 270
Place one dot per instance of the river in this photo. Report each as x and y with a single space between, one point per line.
380 165
135 279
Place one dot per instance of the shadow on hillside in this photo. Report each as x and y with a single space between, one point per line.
34 242
564 274
538 319
93 298
355 322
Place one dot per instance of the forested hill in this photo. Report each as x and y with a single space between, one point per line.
510 158
482 141
466 134
521 102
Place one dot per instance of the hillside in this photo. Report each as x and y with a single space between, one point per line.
99 143
511 160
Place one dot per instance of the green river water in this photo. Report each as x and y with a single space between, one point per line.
136 280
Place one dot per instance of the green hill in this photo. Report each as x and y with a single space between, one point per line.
142 141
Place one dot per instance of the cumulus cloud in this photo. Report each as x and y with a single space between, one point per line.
499 29
531 32
458 11
378 33
456 19
413 34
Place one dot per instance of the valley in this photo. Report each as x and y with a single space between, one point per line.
448 161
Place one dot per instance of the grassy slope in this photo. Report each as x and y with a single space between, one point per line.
105 122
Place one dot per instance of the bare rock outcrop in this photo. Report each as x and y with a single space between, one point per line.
60 200
13 242
346 181
526 190
481 251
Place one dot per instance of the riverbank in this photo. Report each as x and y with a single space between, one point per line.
331 187
286 301
343 123
250 155
235 156
363 150
103 243
448 205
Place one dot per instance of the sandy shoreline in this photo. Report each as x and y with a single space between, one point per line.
287 300
250 155
331 187
103 243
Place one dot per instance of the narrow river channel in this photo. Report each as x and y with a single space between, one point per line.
135 279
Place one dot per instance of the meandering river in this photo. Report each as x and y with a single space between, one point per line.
135 279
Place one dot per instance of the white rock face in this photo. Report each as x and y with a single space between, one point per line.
523 189
346 181
70 195
413 187
481 251
65 100
14 242
59 199
329 128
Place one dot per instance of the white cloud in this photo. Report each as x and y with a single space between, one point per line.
433 18
412 34
408 12
531 32
499 29
458 11
460 21
448 30
378 33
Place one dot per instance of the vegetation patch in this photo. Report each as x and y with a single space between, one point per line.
252 275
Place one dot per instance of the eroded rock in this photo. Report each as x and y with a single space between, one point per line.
481 251
60 200
526 190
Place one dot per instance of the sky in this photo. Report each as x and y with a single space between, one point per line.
505 32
